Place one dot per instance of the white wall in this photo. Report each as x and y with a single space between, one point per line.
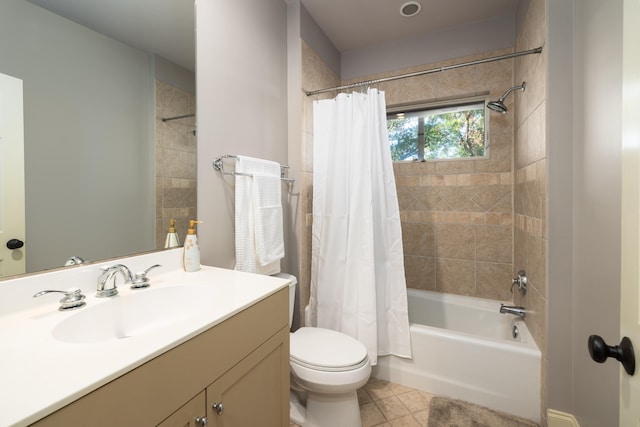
596 178
88 104
560 117
242 105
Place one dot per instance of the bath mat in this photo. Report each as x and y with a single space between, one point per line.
445 412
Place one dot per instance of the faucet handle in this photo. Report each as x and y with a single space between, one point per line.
74 260
521 282
141 280
73 298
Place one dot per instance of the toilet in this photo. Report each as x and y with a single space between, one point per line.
327 368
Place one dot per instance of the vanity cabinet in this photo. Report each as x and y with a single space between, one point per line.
190 415
240 398
242 362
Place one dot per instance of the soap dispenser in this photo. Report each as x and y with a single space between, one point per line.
191 257
172 240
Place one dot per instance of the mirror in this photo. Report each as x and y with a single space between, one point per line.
103 172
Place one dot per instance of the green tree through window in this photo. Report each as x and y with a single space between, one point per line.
449 132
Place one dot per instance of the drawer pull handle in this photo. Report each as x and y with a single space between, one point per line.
202 421
218 408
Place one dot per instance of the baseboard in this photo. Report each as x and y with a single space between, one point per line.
561 419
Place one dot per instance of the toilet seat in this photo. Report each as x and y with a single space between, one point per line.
326 350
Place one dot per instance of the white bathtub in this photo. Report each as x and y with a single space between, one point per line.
463 348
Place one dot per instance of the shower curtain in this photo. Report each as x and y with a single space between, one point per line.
357 270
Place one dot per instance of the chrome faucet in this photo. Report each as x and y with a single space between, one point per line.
513 309
109 275
72 299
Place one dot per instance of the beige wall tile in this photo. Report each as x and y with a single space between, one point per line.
458 82
420 272
175 161
418 89
455 276
455 241
454 166
494 243
530 190
419 239
494 281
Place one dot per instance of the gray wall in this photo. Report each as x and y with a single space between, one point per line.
313 35
597 164
242 105
88 133
584 128
560 40
174 75
478 37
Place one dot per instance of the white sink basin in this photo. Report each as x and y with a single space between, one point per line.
135 314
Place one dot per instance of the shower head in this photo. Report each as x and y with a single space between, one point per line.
499 104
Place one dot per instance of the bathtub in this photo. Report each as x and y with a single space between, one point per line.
465 349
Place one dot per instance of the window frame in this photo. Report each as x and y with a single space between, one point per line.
454 102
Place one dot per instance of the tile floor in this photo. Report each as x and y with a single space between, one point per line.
386 404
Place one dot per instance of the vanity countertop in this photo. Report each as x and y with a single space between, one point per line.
40 373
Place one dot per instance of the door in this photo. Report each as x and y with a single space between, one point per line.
192 414
12 225
630 286
255 392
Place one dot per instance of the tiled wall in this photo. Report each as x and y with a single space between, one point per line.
457 216
530 193
315 74
175 161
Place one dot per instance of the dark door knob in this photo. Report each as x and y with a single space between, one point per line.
600 351
15 244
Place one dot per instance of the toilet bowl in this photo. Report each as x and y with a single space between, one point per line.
327 368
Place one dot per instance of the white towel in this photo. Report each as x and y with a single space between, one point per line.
258 216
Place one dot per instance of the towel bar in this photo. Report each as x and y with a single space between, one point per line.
218 164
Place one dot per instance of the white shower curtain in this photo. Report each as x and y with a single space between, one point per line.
357 270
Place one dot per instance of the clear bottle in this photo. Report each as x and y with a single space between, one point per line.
172 240
191 257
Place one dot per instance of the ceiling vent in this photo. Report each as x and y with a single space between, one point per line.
410 8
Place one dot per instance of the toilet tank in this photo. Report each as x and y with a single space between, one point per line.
292 292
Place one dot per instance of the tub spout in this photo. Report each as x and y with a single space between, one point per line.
512 309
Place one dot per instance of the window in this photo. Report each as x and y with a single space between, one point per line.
451 131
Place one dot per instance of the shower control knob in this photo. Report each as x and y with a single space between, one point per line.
600 352
15 244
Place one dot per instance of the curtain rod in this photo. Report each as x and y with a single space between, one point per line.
431 71
167 119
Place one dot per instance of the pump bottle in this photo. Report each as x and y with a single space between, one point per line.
191 257
172 240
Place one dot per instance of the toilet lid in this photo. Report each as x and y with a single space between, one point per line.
326 350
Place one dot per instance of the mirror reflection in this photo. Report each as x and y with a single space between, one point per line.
103 173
